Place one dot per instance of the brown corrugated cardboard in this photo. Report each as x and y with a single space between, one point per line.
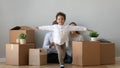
37 56
107 53
86 53
17 54
16 31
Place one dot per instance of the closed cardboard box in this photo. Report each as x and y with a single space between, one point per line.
17 54
86 53
16 31
37 56
107 53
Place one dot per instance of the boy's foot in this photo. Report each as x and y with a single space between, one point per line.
61 66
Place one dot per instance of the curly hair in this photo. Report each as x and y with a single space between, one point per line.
61 14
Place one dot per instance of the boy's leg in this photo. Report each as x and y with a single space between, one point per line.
60 49
63 51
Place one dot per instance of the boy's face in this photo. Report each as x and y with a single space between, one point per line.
60 20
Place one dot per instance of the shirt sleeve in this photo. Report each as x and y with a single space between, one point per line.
46 43
50 28
77 28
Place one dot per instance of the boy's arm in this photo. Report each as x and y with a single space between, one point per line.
89 30
79 28
35 28
43 28
50 28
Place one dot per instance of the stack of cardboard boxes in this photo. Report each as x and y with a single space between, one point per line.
18 54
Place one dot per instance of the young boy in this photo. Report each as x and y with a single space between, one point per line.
60 35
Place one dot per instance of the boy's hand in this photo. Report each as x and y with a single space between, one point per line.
35 28
90 30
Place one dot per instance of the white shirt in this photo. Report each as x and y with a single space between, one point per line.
60 32
47 41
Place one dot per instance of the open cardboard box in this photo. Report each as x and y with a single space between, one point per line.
16 31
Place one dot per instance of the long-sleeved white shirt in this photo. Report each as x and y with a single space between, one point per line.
60 32
47 41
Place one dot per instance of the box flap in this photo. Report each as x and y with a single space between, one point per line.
21 28
16 28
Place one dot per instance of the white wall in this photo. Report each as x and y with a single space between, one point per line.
100 15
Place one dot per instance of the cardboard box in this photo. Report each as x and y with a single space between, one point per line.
37 56
17 54
86 53
107 53
16 31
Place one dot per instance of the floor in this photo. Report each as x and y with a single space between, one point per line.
116 65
